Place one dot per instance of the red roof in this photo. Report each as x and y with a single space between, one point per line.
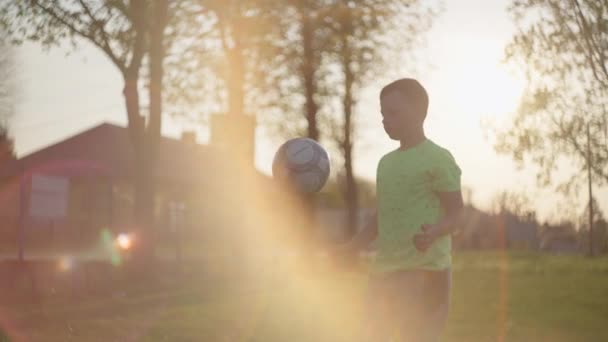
106 150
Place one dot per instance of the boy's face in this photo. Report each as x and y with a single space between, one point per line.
398 116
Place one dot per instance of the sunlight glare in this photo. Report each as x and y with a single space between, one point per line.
66 264
478 83
124 241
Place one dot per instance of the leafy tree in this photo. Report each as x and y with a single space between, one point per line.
563 48
131 34
364 36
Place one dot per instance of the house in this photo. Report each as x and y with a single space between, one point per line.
69 192
521 232
560 239
476 230
600 237
481 230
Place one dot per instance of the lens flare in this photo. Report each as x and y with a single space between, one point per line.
124 241
110 247
66 264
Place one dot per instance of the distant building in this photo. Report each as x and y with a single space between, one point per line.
521 233
561 239
600 237
70 191
480 230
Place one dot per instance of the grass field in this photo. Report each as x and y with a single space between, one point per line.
496 297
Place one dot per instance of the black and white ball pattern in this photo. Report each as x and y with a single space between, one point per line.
303 163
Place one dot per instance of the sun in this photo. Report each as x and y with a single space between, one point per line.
482 85
499 91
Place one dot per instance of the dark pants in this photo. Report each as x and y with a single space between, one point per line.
407 306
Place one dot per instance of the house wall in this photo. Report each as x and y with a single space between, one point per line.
9 211
221 213
92 205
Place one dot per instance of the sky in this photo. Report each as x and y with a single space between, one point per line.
465 77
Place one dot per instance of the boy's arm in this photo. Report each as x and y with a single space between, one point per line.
452 204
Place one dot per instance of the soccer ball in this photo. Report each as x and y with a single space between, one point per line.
302 163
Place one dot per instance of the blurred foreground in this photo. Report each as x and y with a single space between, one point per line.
496 296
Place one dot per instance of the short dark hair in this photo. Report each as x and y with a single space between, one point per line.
412 89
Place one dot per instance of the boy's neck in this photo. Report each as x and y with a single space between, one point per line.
412 140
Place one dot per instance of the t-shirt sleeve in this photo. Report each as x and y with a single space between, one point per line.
446 174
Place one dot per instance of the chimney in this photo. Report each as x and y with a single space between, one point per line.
189 137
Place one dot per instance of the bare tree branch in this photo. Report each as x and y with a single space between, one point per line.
98 26
596 53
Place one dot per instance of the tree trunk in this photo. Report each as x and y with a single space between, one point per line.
311 108
145 192
351 191
143 211
145 140
308 74
141 176
232 43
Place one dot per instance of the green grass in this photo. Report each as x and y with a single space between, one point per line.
529 298
496 296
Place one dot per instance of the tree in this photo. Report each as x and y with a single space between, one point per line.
311 27
265 56
6 85
364 36
286 72
6 146
325 52
229 51
7 151
126 32
224 42
265 61
563 48
590 222
303 50
7 100
515 203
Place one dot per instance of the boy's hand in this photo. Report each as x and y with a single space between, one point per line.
424 240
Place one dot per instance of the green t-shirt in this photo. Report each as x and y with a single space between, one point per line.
407 185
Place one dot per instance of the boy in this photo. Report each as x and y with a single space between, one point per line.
419 201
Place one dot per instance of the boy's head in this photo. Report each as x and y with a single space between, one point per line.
404 104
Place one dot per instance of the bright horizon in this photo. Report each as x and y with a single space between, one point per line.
62 96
